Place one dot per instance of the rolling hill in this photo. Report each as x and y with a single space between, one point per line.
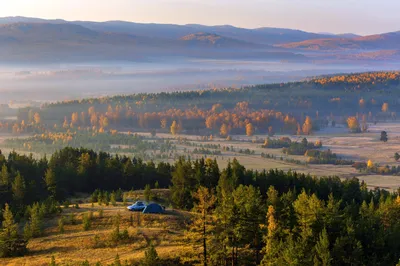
263 35
33 39
372 42
42 41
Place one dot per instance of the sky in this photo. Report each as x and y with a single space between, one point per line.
334 16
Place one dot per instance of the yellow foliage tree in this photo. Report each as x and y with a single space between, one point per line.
74 119
385 107
361 102
353 124
224 131
249 129
174 128
37 118
307 126
370 164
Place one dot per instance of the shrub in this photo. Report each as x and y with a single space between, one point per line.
86 223
61 225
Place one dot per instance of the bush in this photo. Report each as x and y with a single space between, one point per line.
61 222
86 223
148 195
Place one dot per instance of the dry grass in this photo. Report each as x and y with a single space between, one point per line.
166 231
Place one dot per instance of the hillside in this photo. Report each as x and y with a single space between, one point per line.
26 41
214 40
371 42
263 35
30 39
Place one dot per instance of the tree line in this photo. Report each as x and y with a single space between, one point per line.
244 217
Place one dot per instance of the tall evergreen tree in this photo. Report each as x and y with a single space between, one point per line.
50 180
322 250
18 189
11 243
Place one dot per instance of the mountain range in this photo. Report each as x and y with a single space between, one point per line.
31 39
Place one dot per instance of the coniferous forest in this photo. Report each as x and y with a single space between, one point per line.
245 217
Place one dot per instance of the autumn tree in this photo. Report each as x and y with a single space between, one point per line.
205 201
307 126
385 107
174 128
249 129
224 130
37 118
271 240
74 119
361 103
353 124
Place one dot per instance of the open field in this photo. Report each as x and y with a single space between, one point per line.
356 147
165 231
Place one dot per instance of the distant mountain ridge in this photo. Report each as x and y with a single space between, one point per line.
33 39
262 35
42 41
389 40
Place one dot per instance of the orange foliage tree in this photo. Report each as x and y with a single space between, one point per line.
307 126
249 129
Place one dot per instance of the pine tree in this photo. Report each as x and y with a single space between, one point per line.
183 184
11 243
323 255
35 221
117 261
5 176
50 181
18 188
112 199
150 257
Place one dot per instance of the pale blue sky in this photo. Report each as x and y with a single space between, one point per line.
337 16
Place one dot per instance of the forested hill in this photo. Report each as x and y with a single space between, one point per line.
284 107
258 217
